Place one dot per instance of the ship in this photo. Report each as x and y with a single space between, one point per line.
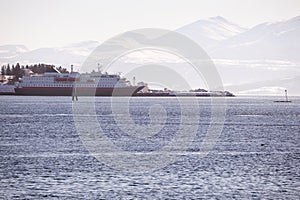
7 89
54 83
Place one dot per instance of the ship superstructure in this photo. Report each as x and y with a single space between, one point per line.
67 84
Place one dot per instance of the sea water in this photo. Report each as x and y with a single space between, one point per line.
43 155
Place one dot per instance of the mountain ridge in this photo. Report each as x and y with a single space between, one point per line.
277 40
208 32
266 51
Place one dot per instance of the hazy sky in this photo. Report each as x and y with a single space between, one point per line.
41 23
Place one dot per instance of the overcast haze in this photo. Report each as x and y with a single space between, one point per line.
49 23
250 59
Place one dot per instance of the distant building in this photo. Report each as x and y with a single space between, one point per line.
6 78
145 89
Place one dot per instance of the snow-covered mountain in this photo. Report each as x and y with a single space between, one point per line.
10 51
270 87
219 37
71 54
81 48
268 51
268 41
209 32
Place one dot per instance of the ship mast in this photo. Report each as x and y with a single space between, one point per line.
133 81
99 67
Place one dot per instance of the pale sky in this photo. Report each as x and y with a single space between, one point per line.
50 23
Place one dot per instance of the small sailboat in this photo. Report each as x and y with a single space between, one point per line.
286 98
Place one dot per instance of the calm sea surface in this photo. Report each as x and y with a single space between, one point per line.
256 156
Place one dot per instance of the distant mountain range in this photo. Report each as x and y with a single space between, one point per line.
8 52
273 41
210 32
65 56
268 41
270 87
260 60
267 52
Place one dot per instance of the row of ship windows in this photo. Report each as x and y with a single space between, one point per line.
101 80
51 82
34 82
67 85
37 79
85 79
88 78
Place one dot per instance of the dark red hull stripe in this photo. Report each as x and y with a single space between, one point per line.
68 91
71 88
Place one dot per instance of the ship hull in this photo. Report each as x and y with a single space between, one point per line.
70 91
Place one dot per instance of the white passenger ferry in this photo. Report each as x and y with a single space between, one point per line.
66 84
